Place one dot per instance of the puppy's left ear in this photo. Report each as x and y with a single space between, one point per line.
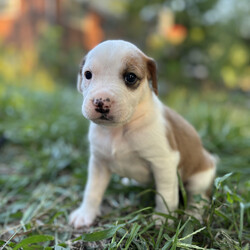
79 76
152 73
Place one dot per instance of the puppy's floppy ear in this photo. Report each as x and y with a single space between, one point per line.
79 76
152 73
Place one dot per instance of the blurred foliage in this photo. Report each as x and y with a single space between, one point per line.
21 69
39 122
41 67
195 42
60 62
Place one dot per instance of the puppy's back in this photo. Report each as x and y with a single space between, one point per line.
183 137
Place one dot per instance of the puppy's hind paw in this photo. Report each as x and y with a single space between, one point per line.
196 214
79 218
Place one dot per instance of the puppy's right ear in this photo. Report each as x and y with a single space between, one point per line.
79 76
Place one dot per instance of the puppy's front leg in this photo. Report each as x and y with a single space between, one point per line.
166 180
98 179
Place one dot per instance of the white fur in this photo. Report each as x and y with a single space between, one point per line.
133 144
200 182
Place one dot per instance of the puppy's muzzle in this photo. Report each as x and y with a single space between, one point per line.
102 105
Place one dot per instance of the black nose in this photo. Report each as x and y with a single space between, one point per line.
100 106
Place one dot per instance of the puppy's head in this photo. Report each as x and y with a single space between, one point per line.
113 79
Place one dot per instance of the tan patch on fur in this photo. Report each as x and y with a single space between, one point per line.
136 65
143 66
183 137
151 65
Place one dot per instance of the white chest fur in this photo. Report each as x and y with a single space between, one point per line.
115 148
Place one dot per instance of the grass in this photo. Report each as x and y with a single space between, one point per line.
43 166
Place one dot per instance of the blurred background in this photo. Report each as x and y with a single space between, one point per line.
197 43
202 49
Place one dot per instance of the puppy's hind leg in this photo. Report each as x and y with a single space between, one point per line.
198 189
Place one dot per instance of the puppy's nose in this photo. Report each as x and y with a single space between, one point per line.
102 105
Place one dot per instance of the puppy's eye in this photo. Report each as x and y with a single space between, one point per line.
130 79
88 75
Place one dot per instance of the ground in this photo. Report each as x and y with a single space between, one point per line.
43 166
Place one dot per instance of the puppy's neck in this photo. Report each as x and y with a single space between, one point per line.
143 113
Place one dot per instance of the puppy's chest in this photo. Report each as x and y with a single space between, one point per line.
122 157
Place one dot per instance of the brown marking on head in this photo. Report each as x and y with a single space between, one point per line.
136 65
142 66
152 73
183 137
133 64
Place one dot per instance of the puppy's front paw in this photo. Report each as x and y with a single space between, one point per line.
80 218
158 219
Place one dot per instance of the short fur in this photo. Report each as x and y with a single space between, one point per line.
136 136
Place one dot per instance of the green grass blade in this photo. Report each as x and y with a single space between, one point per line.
57 247
221 214
183 191
188 246
242 209
175 238
121 240
159 238
132 235
219 180
241 220
101 235
188 231
167 245
192 234
33 239
151 225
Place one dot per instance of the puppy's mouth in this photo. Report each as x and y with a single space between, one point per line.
105 118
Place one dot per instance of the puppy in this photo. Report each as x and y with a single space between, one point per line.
132 133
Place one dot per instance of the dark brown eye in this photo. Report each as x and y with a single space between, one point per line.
130 79
88 75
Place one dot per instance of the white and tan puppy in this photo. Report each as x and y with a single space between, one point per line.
132 133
